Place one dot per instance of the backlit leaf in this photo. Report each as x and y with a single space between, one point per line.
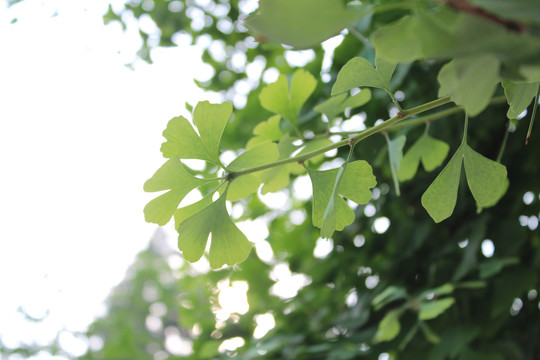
359 72
428 150
470 81
184 143
337 104
279 98
355 184
440 198
432 309
300 23
519 96
484 176
389 326
258 155
278 177
170 176
228 244
266 130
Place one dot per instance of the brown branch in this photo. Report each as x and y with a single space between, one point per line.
465 6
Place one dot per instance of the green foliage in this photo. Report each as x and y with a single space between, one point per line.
428 150
417 288
302 23
287 101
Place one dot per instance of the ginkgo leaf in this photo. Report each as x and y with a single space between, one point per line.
314 145
389 326
279 98
278 177
258 155
470 81
187 211
170 176
428 150
266 130
432 309
357 180
182 140
245 185
440 198
228 244
359 72
485 177
337 104
329 217
519 96
300 23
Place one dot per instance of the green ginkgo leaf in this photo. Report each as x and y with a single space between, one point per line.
278 177
389 326
431 309
470 81
519 96
485 178
300 23
170 176
266 130
182 140
359 72
228 244
245 185
287 101
337 104
428 150
355 185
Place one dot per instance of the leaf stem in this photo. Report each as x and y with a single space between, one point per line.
350 141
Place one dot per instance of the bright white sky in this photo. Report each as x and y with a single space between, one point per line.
79 135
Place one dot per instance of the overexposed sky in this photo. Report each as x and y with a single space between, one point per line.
79 135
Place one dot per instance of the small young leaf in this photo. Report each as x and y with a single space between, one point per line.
266 130
359 72
470 81
228 244
300 23
519 96
184 143
430 151
484 176
389 326
337 104
440 198
432 309
278 98
170 176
